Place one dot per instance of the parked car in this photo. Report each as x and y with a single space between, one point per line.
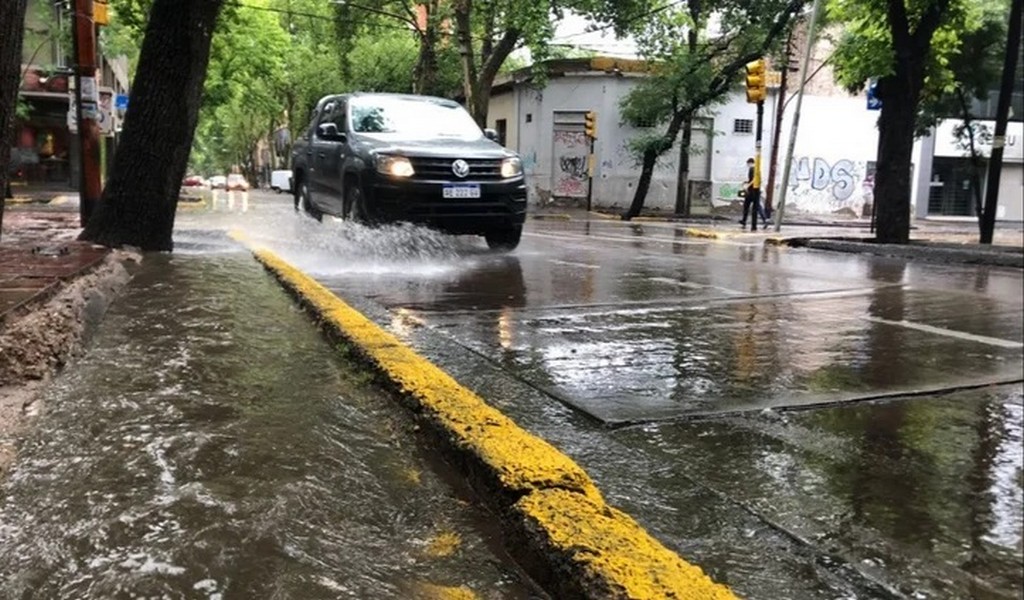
379 158
194 181
281 181
236 181
218 182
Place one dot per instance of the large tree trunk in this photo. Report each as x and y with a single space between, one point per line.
139 203
464 33
683 176
650 158
900 94
12 28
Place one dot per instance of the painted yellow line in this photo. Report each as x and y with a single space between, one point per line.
608 550
574 541
513 459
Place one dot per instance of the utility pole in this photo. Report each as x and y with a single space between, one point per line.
809 43
995 163
780 111
87 106
757 91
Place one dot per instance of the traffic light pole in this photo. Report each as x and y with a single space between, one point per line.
756 183
87 109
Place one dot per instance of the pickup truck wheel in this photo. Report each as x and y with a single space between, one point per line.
355 204
505 239
303 202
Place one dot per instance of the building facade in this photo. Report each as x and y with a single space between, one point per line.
832 173
45 147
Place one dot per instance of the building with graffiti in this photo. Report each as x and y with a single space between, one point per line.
832 172
45 147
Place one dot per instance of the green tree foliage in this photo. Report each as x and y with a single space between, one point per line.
692 72
907 45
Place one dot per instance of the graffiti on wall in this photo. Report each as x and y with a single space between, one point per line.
820 186
571 149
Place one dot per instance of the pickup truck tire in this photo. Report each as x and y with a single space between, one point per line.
505 239
304 202
355 204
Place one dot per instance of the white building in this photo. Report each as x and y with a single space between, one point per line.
832 171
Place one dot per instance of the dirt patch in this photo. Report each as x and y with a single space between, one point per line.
41 339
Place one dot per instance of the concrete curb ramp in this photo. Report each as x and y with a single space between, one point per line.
559 527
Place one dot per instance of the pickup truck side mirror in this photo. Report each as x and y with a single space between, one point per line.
329 131
491 134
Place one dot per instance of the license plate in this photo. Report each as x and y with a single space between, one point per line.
461 191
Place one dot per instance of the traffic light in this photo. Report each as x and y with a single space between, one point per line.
757 79
100 12
590 124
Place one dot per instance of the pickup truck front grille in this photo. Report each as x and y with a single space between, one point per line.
440 169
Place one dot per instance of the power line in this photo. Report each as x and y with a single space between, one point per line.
322 17
639 17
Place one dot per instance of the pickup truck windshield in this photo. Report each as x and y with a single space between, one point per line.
411 118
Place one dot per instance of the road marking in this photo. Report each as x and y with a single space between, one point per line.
573 264
983 339
564 523
619 239
694 286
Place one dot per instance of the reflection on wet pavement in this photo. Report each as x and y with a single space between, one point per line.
930 489
915 498
212 445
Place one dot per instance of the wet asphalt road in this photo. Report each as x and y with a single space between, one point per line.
802 424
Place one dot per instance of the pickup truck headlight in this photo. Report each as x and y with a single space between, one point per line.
396 166
511 167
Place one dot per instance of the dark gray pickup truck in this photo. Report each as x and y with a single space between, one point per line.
378 158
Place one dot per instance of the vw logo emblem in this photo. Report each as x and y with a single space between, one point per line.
460 168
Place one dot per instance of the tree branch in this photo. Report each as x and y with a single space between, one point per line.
504 47
385 13
721 82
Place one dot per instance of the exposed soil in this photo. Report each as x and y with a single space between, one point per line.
44 336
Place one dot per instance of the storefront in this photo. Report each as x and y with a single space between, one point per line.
951 189
42 151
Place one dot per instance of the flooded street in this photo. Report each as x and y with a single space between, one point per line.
211 444
803 425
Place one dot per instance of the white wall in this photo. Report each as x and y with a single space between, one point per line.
835 148
503 106
615 170
836 142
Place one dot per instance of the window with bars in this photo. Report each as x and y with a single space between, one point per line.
743 126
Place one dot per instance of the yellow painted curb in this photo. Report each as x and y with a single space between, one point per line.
702 233
551 217
577 544
606 548
515 461
605 216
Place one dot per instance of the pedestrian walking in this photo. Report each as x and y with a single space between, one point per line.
752 199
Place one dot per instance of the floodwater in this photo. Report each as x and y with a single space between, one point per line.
211 444
716 391
721 392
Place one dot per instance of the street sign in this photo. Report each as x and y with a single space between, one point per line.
874 102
